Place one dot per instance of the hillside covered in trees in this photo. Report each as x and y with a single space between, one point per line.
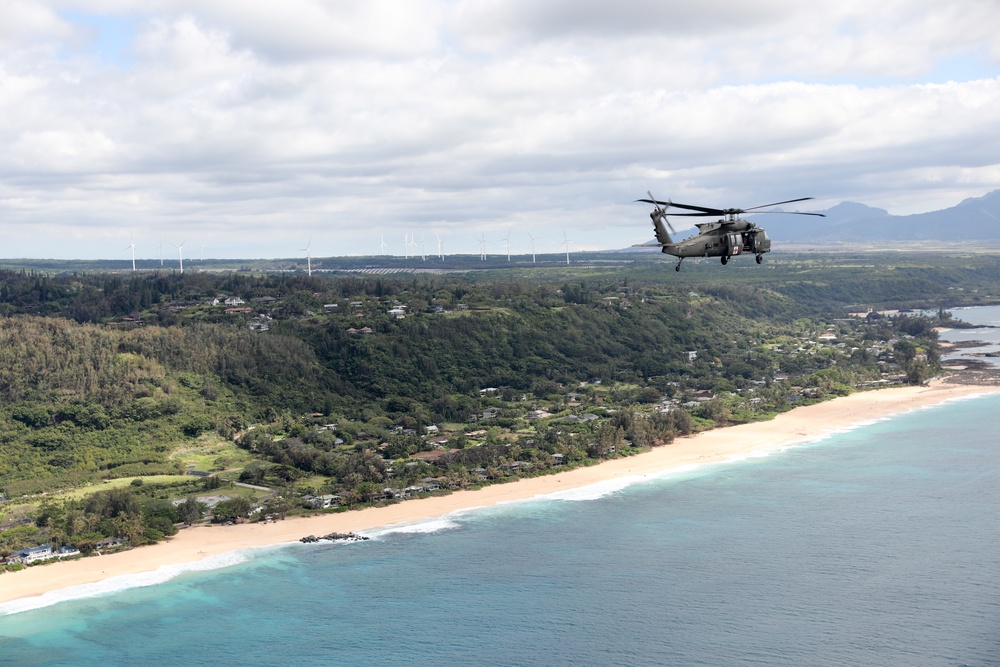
334 384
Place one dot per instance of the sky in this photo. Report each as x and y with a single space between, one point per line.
253 129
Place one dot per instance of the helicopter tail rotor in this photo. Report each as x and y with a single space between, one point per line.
659 218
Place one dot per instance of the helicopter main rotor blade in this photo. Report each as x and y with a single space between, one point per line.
704 211
689 207
790 201
819 215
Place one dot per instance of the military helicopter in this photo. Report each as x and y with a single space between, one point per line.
724 238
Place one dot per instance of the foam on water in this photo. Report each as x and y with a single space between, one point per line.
434 525
126 581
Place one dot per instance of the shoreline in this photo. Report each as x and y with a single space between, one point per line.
191 545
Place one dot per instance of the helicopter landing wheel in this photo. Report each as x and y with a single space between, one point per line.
760 258
677 268
724 260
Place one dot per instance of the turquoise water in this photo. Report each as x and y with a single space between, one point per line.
876 546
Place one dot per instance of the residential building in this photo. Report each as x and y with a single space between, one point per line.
35 554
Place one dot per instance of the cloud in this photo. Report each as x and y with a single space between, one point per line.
249 124
29 24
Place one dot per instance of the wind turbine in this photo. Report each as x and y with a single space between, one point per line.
180 253
161 251
440 246
482 246
566 243
423 249
384 246
533 239
309 266
507 240
131 245
406 246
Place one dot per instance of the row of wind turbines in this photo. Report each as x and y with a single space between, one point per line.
409 248
180 252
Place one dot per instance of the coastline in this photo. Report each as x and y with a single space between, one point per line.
800 425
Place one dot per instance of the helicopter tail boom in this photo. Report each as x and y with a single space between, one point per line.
659 216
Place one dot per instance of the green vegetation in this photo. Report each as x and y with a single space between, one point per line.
130 405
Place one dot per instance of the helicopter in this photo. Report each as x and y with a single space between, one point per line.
725 238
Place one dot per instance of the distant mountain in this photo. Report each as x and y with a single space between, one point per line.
975 219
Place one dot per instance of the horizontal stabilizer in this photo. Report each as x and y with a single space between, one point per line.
651 245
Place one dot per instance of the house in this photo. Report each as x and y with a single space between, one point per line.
398 313
326 501
692 355
35 554
234 301
357 304
330 307
111 542
491 413
431 429
239 311
66 551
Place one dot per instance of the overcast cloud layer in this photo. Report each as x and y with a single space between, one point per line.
247 128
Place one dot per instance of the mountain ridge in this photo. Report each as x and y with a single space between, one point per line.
972 219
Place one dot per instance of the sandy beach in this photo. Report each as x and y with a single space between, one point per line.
194 544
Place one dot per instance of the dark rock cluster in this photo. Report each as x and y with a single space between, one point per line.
334 537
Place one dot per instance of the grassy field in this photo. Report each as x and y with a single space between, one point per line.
211 454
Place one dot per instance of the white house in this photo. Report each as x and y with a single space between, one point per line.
34 554
234 301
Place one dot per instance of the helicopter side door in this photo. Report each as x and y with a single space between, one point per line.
734 243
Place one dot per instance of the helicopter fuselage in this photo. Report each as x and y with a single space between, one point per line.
724 239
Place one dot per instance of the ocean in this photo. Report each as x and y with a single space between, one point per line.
873 546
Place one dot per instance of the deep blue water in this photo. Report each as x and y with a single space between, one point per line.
873 547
